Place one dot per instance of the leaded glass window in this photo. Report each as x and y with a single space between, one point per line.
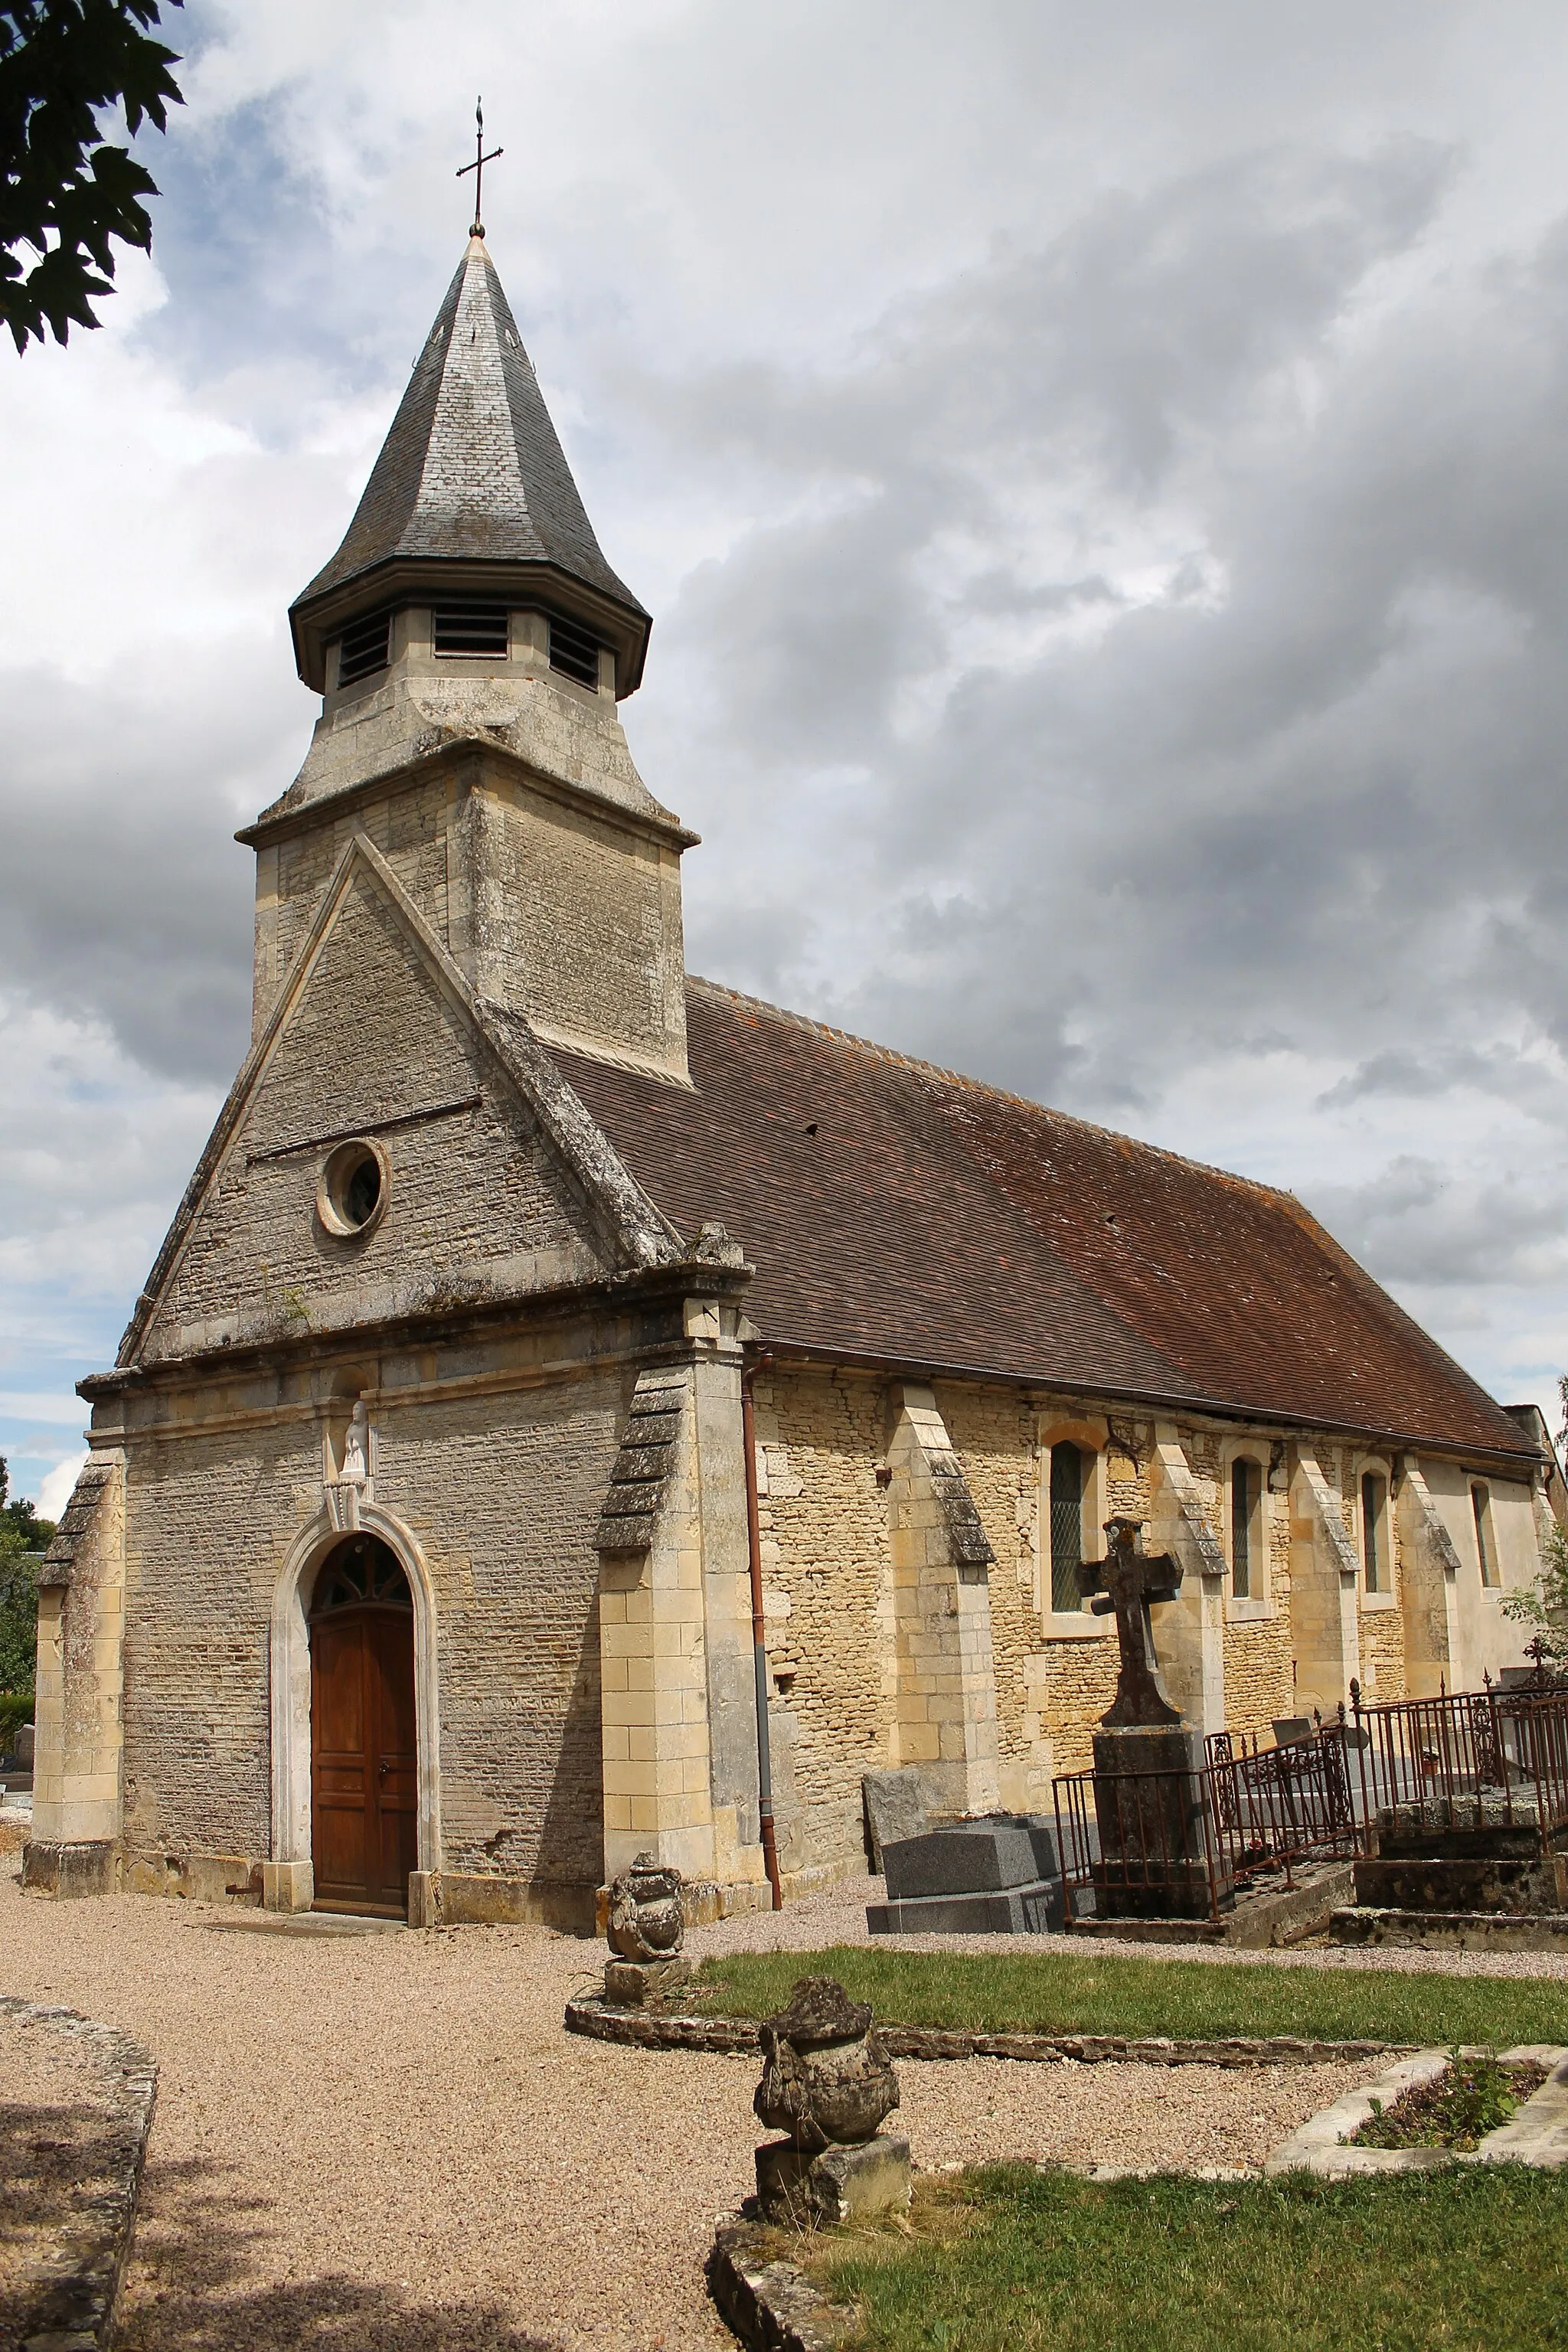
1373 1545
1246 1483
1067 1526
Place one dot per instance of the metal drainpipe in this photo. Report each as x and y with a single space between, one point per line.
758 1644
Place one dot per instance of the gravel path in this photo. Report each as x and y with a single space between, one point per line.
386 2142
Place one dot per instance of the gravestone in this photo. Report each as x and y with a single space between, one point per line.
895 1810
1157 1859
1000 1874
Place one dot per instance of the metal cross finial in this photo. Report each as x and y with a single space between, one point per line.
478 168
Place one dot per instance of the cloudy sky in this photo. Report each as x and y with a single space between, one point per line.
1101 475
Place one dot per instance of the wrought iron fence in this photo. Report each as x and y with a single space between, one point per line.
1466 1761
1183 1844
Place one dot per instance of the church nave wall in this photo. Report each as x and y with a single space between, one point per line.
826 1577
209 1519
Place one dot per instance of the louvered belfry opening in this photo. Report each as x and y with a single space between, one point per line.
364 647
466 627
472 475
573 652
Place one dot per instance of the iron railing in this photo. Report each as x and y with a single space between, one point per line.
1198 1837
1466 1761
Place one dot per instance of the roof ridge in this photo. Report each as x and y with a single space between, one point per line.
922 1069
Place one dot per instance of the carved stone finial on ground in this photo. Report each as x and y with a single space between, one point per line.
647 1930
829 2083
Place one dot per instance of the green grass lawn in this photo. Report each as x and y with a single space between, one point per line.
1471 2261
1098 1993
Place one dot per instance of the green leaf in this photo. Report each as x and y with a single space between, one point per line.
65 192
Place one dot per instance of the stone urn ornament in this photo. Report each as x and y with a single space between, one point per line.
828 2083
647 1930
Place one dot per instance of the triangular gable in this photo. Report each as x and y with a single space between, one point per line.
609 1217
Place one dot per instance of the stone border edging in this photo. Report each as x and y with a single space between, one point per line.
737 2037
1537 2133
770 2305
73 2307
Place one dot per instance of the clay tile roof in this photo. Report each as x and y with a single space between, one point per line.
471 470
900 1213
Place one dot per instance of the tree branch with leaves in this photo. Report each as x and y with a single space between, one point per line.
65 192
1544 1606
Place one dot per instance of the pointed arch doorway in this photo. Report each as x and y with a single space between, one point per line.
365 1745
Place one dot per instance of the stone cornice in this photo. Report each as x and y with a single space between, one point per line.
279 822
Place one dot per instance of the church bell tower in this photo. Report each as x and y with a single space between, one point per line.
471 645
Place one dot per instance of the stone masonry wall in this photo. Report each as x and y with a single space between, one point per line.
828 1633
993 1433
569 919
371 1039
502 1494
593 928
1259 1687
827 1589
208 1521
410 825
504 1497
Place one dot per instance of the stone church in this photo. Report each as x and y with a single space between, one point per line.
535 1306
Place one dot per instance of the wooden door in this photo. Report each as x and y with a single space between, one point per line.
364 1744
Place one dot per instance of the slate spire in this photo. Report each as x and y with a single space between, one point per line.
471 494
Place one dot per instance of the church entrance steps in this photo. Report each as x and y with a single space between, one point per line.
306 1923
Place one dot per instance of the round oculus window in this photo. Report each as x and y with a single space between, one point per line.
352 1194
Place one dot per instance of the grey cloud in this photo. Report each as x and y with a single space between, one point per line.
1420 1224
1313 802
1411 1076
1138 645
123 898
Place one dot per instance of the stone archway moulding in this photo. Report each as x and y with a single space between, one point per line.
290 1682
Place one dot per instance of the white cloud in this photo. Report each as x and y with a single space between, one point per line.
55 1490
40 1412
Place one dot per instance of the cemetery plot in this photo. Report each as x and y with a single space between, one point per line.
1474 2096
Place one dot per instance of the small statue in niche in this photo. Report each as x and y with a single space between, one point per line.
356 1445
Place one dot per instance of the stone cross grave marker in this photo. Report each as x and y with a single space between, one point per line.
1132 1580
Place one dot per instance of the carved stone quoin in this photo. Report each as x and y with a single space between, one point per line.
646 1922
827 2079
